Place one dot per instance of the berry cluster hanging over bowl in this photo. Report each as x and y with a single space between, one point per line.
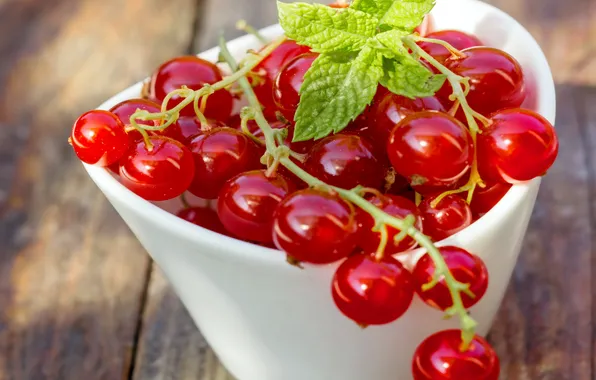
365 134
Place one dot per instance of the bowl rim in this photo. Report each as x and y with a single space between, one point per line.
249 252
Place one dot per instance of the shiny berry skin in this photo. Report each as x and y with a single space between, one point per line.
465 268
439 357
451 215
192 72
204 217
159 174
455 38
518 146
124 110
219 155
247 202
316 227
288 83
496 79
484 199
372 292
190 127
346 161
98 138
393 205
430 148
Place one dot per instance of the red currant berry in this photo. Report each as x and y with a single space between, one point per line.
393 205
451 215
427 190
159 174
484 199
455 38
98 138
286 90
219 155
496 79
440 357
430 148
372 292
314 226
465 268
191 127
519 145
204 217
346 161
247 202
194 73
127 108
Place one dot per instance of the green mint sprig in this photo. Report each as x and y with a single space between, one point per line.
360 47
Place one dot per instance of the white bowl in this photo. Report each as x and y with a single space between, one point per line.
267 320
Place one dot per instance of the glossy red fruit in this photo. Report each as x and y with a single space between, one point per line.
451 215
455 38
288 83
430 148
496 79
190 127
372 292
427 190
465 268
194 73
219 155
98 138
484 199
204 217
124 110
439 357
393 205
518 146
159 174
247 202
346 161
314 226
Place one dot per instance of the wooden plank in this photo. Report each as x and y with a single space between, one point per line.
544 329
72 276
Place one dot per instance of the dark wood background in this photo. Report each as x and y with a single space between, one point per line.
80 299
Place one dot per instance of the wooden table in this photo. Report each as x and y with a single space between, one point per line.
80 299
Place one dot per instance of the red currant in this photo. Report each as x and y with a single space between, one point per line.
519 145
393 205
465 268
496 79
219 155
455 38
440 357
430 148
159 174
286 90
194 73
451 215
372 292
247 202
191 127
484 199
315 227
98 138
204 217
346 161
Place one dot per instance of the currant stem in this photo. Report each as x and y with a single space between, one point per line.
246 27
456 53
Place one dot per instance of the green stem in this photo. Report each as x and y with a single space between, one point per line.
246 27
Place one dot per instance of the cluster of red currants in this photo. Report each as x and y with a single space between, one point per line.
403 154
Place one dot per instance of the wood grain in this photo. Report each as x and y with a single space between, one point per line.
71 275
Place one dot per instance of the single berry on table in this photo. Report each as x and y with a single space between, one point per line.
158 174
204 217
288 83
247 202
440 357
465 268
451 215
459 40
372 292
98 138
315 226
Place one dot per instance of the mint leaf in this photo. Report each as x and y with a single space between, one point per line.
325 29
402 14
390 43
336 89
408 77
